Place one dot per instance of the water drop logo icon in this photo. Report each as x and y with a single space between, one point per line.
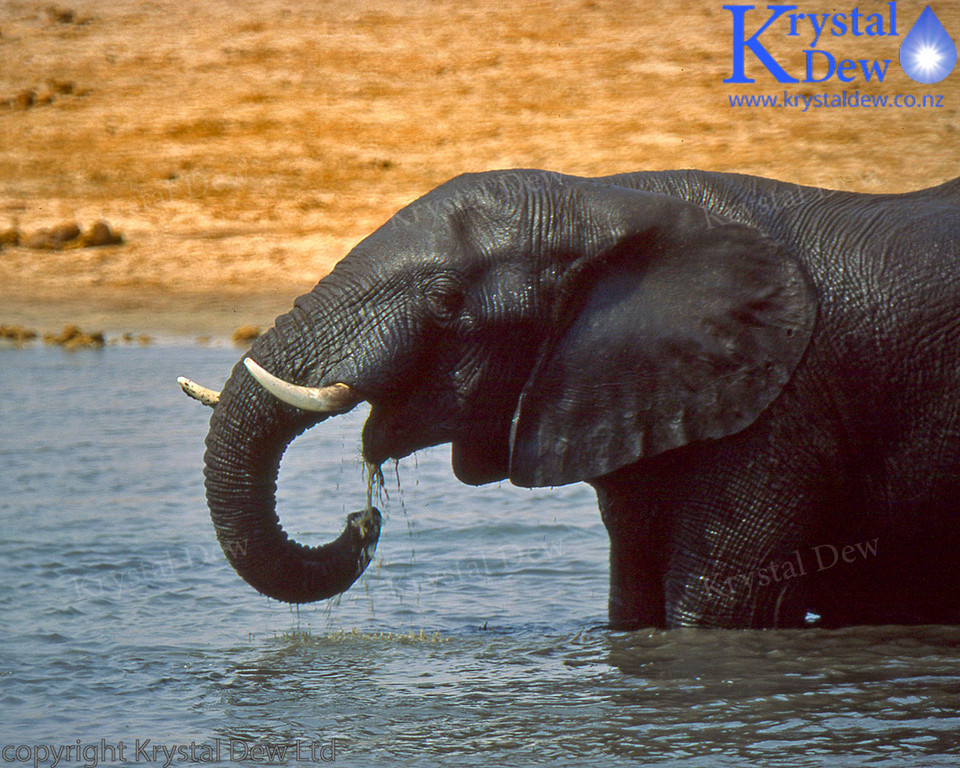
927 53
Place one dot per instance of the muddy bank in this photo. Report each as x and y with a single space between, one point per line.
73 337
241 151
197 318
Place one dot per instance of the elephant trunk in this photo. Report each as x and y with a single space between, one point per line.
249 431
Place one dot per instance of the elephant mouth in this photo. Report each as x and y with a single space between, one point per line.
387 433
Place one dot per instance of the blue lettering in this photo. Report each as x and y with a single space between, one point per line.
874 70
847 70
741 43
855 22
794 20
831 66
760 100
839 28
817 28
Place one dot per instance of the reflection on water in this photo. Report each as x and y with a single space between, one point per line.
474 639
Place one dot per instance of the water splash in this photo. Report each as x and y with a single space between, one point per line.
928 53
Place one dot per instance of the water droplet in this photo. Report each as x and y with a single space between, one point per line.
927 53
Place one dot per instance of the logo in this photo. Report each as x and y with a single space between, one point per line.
927 53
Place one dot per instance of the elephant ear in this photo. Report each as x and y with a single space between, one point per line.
678 333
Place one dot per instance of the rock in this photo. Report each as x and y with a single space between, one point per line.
101 234
61 236
24 99
64 236
43 95
71 337
61 87
128 338
245 334
40 240
60 15
17 334
64 233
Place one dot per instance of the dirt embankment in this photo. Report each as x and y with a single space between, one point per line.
242 148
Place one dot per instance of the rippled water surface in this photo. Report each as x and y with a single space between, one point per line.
475 639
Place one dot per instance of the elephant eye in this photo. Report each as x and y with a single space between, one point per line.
445 299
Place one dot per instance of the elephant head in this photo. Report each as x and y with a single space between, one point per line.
552 329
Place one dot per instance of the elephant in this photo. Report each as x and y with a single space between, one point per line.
760 380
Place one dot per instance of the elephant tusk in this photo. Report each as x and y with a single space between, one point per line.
192 389
337 398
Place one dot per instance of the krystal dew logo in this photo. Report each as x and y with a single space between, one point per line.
927 52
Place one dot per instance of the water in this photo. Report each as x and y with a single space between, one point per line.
475 639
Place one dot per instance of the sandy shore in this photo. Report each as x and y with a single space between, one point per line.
241 149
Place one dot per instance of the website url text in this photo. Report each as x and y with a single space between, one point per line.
842 100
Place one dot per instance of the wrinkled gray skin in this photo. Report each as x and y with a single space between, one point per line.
744 370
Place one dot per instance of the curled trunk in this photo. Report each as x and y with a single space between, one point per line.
249 431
